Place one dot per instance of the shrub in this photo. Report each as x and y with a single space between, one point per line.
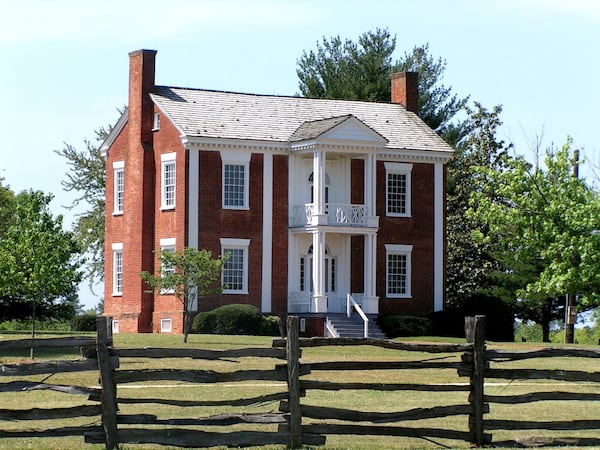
395 326
83 322
499 324
235 319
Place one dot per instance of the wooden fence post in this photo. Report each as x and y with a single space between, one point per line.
109 392
293 366
475 334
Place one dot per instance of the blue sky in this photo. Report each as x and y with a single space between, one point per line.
64 64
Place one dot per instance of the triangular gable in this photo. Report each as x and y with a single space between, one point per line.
341 128
114 133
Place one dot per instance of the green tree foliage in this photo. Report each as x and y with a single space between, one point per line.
470 263
7 197
360 71
39 261
187 274
86 177
545 220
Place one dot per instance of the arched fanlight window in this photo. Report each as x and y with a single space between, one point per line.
306 271
311 181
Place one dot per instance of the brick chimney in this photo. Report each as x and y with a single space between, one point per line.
405 90
141 83
139 195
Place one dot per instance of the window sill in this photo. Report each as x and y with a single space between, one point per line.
167 208
117 294
236 292
117 213
400 296
399 215
236 208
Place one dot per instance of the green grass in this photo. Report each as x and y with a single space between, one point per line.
361 400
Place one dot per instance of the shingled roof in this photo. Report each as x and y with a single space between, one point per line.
227 115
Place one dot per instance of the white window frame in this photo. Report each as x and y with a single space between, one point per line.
156 121
236 159
405 250
118 194
117 251
166 325
167 245
167 160
115 327
399 169
227 245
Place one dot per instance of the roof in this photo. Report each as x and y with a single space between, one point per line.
204 113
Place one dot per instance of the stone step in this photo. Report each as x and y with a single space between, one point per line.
353 327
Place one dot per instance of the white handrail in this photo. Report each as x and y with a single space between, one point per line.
350 302
331 329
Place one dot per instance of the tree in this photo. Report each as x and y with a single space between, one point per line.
546 220
360 71
39 261
7 197
87 178
187 274
470 263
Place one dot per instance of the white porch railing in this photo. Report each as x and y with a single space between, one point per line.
338 214
351 303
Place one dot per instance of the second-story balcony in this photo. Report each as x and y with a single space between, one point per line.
337 214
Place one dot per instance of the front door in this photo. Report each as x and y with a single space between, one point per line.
331 278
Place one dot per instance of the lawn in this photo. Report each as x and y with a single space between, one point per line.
376 401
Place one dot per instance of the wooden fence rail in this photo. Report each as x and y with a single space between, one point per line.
297 423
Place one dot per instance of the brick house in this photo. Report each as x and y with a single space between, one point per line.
313 200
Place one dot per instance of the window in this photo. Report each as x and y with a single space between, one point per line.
236 174
115 326
168 181
156 122
117 250
398 192
119 189
398 270
167 245
166 325
234 186
235 268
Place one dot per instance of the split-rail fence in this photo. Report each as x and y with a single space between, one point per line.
296 423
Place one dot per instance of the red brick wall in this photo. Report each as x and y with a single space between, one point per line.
416 230
279 284
216 223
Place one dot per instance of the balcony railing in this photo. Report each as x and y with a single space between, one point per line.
338 214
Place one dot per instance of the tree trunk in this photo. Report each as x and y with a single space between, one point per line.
186 320
546 319
31 350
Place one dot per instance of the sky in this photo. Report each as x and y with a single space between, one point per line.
64 65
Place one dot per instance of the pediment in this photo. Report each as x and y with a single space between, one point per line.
341 129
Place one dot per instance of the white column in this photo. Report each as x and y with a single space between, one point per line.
319 217
438 237
267 250
193 195
192 206
318 268
370 301
371 189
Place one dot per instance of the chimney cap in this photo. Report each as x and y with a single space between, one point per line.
142 50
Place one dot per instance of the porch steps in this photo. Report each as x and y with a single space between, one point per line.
353 327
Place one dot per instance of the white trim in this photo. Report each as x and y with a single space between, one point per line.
118 167
117 249
156 121
399 169
165 160
168 242
115 326
236 244
396 249
236 159
166 325
193 197
438 237
267 250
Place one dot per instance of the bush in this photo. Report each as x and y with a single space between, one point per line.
499 324
83 322
235 319
395 326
